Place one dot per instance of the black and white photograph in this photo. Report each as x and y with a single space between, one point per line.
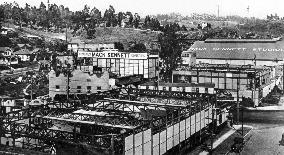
141 77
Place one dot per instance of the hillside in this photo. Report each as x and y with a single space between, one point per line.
123 35
102 35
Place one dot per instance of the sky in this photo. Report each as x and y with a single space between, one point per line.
257 8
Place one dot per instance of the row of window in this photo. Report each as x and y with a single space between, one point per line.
79 88
181 89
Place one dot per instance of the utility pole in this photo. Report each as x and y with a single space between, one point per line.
218 12
68 83
282 77
66 32
67 87
159 70
242 121
238 102
31 88
212 132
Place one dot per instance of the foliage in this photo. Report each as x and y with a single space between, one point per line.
2 16
138 48
172 45
152 23
56 18
119 46
56 45
5 41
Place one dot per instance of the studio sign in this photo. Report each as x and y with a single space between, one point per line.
237 49
115 55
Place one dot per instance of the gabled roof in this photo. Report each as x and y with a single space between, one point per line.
22 45
208 85
3 49
268 50
23 52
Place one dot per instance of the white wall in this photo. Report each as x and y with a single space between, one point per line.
238 62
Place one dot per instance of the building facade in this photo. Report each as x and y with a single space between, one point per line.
79 82
121 63
236 52
251 82
90 46
179 87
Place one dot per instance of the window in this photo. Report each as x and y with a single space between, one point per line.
177 89
88 80
99 88
57 88
164 88
89 89
78 89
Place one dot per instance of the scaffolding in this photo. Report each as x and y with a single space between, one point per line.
113 123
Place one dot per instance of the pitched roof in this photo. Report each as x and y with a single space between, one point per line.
23 52
22 45
209 85
239 49
3 49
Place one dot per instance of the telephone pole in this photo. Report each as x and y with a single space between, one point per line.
238 102
218 12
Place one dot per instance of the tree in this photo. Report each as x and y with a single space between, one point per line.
119 46
5 41
136 20
41 16
130 18
95 15
138 48
120 17
26 13
109 17
172 45
2 16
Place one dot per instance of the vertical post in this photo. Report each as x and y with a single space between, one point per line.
10 63
179 150
242 121
212 132
112 145
254 82
31 88
238 103
66 33
151 127
67 87
283 78
13 133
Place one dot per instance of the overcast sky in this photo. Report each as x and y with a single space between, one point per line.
257 8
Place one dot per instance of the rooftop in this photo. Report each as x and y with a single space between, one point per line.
210 85
240 41
3 49
23 52
223 68
239 49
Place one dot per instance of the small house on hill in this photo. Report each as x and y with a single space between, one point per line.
25 54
